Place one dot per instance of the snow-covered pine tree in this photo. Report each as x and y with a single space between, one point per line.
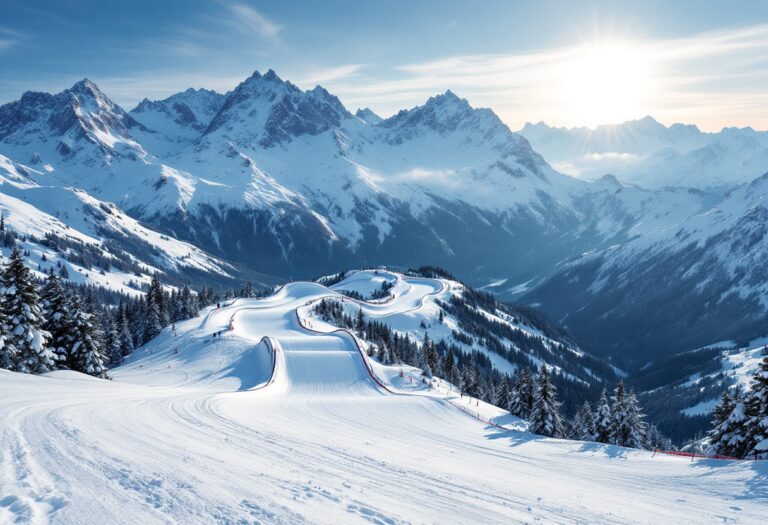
493 392
470 380
657 440
637 433
86 355
603 420
621 424
8 352
734 431
152 324
111 348
449 366
156 295
545 416
719 414
21 309
124 332
188 304
757 409
521 397
504 392
431 358
57 322
583 427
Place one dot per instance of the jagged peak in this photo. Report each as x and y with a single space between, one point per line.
368 115
86 86
272 76
449 98
609 180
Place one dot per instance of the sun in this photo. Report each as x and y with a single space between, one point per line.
605 84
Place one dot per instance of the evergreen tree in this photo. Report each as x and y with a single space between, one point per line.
521 397
156 295
188 304
637 432
719 414
621 423
583 427
545 416
85 354
735 440
112 348
449 366
757 409
493 392
56 308
7 350
505 393
656 440
124 332
152 324
603 420
430 356
8 354
469 380
21 309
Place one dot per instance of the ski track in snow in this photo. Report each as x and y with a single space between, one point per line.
198 436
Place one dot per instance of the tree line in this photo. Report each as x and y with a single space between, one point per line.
740 419
56 325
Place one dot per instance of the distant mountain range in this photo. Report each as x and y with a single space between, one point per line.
271 180
652 155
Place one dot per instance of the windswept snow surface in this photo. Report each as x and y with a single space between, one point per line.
272 422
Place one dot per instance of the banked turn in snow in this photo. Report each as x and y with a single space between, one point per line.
274 422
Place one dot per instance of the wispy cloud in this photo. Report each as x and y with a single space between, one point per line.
330 74
711 79
9 38
249 19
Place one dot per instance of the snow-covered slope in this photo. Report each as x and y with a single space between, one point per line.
96 241
440 308
176 121
273 422
652 155
703 280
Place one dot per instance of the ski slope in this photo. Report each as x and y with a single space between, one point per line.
276 421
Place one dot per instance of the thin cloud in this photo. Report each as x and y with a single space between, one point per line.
249 19
330 74
711 78
9 38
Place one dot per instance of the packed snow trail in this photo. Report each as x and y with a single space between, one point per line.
197 429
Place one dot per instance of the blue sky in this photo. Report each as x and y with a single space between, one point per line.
567 63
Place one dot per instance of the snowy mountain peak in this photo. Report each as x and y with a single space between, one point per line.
367 115
80 123
266 111
86 86
443 114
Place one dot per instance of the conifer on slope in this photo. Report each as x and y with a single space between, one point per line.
603 420
56 308
757 409
583 427
24 320
720 414
545 416
86 353
521 396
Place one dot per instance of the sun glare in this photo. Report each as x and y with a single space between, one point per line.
604 84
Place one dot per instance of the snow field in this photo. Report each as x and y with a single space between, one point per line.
192 431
